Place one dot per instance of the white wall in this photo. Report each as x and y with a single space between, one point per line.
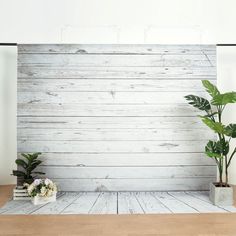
113 21
7 113
226 72
123 21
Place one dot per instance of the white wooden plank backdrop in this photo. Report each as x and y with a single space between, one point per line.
113 117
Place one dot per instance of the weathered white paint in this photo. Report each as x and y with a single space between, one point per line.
114 134
110 122
114 117
127 159
151 204
111 146
197 204
105 85
134 184
105 204
87 60
120 203
58 206
120 49
83 204
150 110
173 204
204 195
161 172
117 72
103 97
128 203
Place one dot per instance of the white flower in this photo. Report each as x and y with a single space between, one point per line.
43 191
47 181
30 188
37 182
49 193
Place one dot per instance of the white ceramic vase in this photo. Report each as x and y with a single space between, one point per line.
38 200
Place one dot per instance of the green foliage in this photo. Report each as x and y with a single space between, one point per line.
219 150
210 88
211 150
224 99
199 102
230 130
222 147
215 126
27 166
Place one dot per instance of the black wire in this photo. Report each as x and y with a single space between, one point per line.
8 44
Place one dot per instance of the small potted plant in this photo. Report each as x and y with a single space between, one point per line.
42 191
25 174
221 193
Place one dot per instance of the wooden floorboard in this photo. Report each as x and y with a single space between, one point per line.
218 224
105 204
150 204
5 193
196 203
120 203
128 204
83 204
173 204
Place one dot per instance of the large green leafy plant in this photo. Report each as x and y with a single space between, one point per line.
26 167
218 149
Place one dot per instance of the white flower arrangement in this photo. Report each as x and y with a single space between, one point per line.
41 188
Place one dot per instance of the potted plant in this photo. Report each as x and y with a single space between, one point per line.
42 191
221 193
25 174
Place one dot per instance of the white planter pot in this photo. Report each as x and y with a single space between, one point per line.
19 193
38 200
221 196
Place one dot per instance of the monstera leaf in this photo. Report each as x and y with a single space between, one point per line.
210 88
211 150
230 130
216 126
223 99
199 102
217 149
222 146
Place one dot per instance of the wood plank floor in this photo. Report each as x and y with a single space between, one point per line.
5 193
218 224
120 203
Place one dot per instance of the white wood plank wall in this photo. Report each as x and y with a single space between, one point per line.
113 117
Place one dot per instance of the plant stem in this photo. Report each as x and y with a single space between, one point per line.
231 156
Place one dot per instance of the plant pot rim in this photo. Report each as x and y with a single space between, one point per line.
216 183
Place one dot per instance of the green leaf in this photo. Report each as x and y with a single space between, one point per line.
38 172
36 162
211 150
222 146
198 102
230 130
18 173
209 115
25 156
210 88
225 98
22 163
35 155
216 126
33 165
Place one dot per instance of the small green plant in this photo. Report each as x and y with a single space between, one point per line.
218 149
26 167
